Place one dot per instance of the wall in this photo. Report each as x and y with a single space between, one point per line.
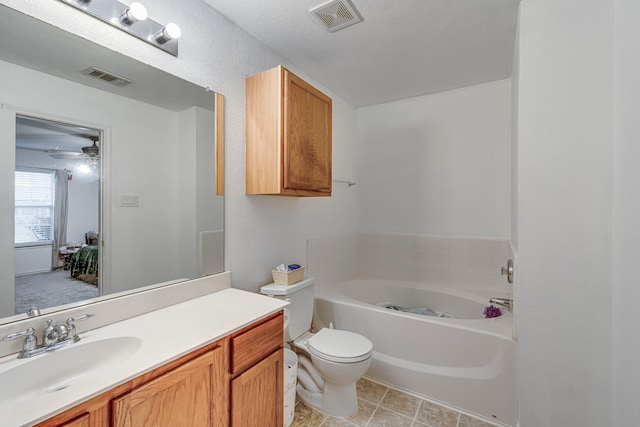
437 164
626 232
260 231
565 169
32 259
84 192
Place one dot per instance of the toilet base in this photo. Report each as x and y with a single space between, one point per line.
340 400
334 400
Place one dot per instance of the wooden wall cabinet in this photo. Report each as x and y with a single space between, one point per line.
236 381
288 148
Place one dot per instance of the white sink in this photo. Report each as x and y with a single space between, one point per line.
60 369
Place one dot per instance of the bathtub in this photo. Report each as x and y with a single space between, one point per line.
467 362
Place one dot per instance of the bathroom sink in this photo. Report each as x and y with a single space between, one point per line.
60 369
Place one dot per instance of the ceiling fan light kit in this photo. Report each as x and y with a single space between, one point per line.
133 19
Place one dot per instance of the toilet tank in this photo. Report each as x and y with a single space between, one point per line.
300 308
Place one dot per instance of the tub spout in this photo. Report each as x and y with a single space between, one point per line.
508 303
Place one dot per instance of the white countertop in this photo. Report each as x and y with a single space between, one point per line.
166 334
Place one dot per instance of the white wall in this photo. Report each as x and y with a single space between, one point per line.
565 169
626 203
31 259
261 231
83 213
438 164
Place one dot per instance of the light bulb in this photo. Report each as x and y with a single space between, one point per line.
170 32
136 12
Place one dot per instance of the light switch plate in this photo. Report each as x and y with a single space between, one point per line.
129 200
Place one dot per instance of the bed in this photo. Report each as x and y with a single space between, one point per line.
84 264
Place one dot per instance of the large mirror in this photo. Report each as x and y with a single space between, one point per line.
108 178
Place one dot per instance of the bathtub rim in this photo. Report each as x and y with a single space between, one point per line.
500 327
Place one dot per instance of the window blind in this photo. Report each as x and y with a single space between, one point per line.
35 195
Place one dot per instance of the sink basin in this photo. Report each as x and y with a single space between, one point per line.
60 369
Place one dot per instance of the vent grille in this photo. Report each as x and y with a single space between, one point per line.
108 77
336 15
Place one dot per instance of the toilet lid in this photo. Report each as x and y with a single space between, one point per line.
334 344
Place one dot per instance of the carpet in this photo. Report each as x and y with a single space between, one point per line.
44 290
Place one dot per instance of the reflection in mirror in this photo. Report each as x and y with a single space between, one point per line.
57 256
147 214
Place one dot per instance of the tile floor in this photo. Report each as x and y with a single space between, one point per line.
382 406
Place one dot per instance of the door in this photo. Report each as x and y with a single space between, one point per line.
182 397
257 395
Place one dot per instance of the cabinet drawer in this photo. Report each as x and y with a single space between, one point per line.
251 345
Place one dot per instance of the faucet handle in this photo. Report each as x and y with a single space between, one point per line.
30 342
79 318
71 327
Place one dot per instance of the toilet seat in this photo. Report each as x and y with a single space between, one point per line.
340 346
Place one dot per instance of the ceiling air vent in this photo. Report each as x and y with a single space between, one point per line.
106 76
336 15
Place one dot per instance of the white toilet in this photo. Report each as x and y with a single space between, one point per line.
329 361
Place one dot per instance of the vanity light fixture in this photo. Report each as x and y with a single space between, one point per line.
133 19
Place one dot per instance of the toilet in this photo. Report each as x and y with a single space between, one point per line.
330 361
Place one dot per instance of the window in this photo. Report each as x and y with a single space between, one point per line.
34 206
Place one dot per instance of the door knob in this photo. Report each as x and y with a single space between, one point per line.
508 271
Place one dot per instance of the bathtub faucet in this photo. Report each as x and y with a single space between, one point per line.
508 303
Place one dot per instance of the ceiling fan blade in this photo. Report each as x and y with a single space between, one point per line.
67 155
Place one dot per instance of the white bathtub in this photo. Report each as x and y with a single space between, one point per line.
467 362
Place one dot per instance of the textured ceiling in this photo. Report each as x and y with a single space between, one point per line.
401 49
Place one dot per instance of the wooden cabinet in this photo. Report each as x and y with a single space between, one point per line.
236 381
257 395
289 130
257 359
181 397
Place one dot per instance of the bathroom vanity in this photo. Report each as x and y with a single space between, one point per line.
216 360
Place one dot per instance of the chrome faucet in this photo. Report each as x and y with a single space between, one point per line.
505 302
53 337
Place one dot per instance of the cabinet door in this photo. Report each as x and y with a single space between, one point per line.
257 395
181 397
307 137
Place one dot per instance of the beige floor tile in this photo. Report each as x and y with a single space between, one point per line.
467 421
336 422
307 417
385 418
436 416
370 391
401 403
365 410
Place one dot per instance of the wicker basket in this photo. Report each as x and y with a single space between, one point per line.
288 277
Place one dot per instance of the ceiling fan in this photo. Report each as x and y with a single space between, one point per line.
89 152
